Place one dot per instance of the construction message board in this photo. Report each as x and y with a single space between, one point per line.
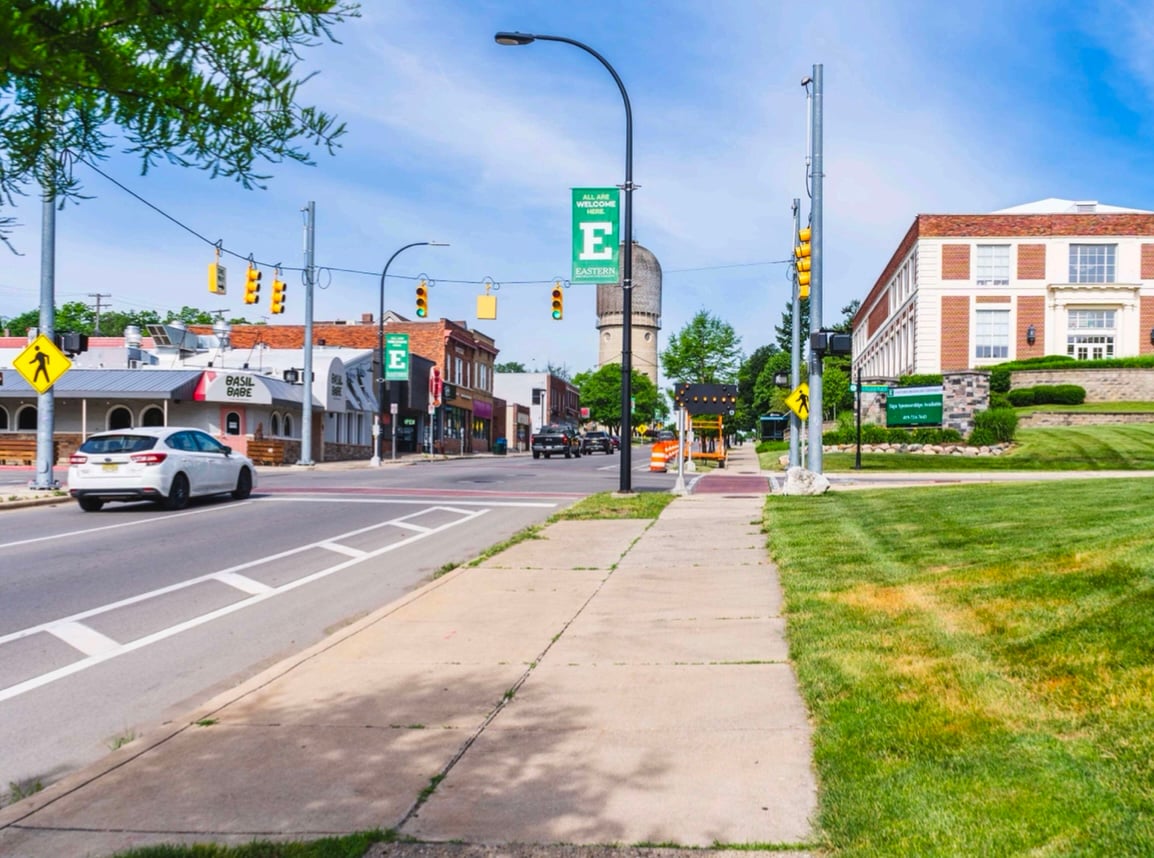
706 398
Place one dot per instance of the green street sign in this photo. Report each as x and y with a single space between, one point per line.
396 357
596 235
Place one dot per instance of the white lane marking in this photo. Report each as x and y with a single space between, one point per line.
82 637
346 550
122 649
408 526
169 516
242 582
514 504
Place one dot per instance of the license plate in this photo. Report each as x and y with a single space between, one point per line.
109 467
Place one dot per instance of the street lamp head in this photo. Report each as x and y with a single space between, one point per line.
806 81
514 38
437 243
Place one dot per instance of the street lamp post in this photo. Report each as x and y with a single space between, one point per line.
505 38
375 461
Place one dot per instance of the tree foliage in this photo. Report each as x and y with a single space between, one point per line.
705 351
747 376
600 392
509 366
80 318
199 83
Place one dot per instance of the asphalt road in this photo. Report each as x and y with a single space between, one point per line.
114 622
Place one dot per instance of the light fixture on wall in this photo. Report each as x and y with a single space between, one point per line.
1031 335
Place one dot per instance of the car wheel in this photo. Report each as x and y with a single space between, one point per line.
90 504
177 493
536 455
243 485
568 454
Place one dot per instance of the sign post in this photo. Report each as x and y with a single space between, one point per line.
596 236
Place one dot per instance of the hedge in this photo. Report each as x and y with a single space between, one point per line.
1047 394
995 426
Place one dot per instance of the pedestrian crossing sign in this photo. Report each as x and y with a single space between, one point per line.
798 401
41 364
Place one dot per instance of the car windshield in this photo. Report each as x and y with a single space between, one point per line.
118 444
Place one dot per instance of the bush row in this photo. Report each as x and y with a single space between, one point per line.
1046 394
995 426
872 433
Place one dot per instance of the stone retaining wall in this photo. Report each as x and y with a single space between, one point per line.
1077 418
1101 385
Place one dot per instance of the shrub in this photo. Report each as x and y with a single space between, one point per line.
919 380
1000 379
995 426
1060 394
1022 396
1000 400
933 435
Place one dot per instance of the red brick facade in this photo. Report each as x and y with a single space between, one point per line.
1147 262
1031 311
955 262
1031 262
878 315
955 332
1146 314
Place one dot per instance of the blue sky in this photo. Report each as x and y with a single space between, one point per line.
929 108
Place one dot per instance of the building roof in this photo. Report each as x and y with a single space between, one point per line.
121 383
1054 205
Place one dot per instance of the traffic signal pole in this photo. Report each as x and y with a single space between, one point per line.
815 295
795 428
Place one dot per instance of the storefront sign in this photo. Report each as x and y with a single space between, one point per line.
396 357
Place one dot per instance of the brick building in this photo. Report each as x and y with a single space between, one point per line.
1051 277
465 358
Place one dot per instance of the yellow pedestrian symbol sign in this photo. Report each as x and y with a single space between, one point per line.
42 363
798 401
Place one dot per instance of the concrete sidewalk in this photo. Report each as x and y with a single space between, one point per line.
614 682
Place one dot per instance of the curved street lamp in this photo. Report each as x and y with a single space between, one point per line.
375 461
505 38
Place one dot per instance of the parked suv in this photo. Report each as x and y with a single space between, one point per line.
596 442
556 438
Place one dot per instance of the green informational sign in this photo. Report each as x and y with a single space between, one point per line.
914 406
596 235
396 357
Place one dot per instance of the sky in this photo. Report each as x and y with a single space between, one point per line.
928 108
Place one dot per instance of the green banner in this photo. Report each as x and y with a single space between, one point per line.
396 357
596 235
914 407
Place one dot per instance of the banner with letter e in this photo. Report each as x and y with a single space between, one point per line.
596 235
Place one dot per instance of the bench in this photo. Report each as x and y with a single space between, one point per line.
266 452
22 451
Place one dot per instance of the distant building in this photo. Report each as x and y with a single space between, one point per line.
646 315
551 398
1054 277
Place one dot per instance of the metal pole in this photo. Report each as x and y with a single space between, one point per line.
857 455
46 402
627 263
815 295
306 457
382 385
795 350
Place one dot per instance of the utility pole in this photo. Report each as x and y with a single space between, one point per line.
815 297
46 402
795 428
307 394
97 296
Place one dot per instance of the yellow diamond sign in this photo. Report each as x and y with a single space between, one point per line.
798 401
42 363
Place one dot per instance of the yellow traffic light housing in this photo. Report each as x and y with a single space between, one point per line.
252 285
558 302
422 299
276 304
804 263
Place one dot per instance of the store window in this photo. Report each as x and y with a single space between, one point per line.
232 423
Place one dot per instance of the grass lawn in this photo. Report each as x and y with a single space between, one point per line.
1111 447
979 662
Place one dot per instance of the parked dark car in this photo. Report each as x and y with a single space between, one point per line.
616 442
597 442
556 438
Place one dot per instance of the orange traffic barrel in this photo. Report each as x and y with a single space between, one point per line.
658 459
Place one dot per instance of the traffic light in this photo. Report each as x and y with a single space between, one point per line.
216 278
422 299
252 285
276 304
802 253
558 301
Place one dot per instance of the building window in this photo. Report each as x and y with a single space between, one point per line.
274 425
26 418
120 418
993 265
288 426
3 419
1090 334
152 416
992 334
232 423
1092 263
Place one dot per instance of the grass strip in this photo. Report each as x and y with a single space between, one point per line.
979 662
351 846
609 505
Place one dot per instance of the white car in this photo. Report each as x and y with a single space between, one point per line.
166 464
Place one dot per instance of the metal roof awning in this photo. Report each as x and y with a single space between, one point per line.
110 383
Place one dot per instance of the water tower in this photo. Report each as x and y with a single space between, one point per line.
646 315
